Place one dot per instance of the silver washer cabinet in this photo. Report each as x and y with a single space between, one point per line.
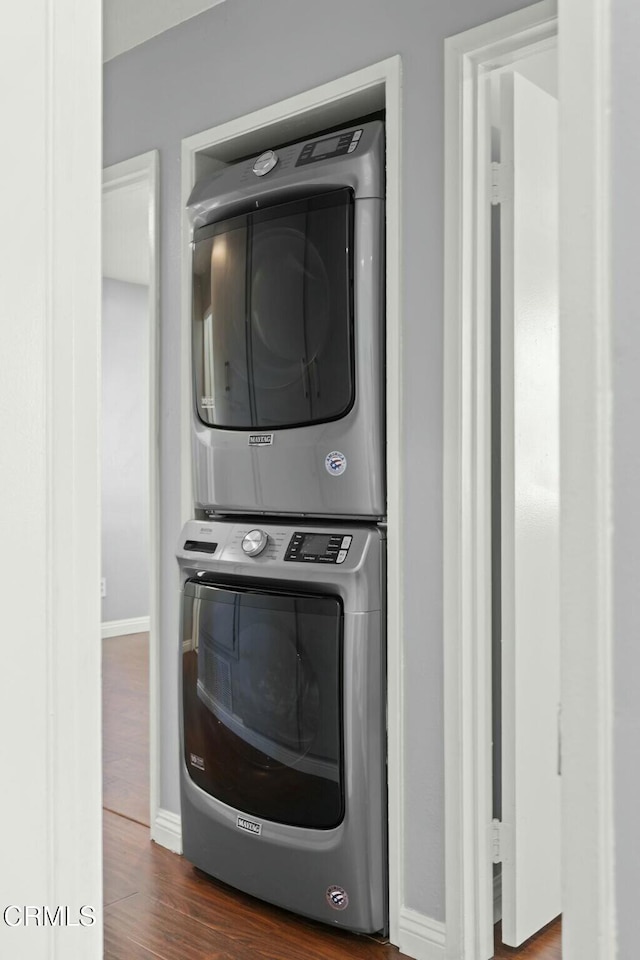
282 684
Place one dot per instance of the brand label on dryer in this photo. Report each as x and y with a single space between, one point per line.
335 463
249 825
260 439
207 403
196 761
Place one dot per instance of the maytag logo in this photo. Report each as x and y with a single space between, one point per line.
260 439
249 825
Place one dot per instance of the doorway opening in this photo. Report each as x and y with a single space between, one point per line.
130 488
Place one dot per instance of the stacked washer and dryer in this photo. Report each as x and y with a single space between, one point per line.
282 657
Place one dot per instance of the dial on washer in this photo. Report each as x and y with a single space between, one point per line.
265 162
254 542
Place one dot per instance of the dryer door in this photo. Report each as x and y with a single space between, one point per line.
273 315
261 689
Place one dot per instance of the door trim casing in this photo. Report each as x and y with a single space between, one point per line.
586 425
586 642
469 58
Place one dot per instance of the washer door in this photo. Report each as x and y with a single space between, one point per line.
273 317
261 688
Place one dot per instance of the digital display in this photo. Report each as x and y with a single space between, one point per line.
315 544
326 146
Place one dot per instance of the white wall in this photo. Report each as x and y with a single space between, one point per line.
125 449
230 60
127 24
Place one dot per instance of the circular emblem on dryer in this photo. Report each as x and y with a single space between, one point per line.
265 162
335 463
337 897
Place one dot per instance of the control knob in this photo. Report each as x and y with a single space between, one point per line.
254 542
265 163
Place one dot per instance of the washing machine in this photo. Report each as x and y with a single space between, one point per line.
288 330
282 691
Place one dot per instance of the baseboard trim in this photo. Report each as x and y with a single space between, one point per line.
167 831
121 628
420 937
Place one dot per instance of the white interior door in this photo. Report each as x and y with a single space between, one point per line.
530 510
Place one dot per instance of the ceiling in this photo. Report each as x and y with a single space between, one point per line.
126 23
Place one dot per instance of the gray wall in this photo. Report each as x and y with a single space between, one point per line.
626 475
238 57
125 449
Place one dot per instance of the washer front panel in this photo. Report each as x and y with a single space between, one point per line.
335 872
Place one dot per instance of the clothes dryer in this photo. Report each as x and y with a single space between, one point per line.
288 330
282 690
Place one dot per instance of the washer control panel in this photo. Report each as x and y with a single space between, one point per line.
223 542
318 547
334 146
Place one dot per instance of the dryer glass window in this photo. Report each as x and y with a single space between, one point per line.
261 689
273 315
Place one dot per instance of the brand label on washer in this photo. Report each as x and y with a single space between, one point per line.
207 403
337 897
249 825
335 463
196 761
260 439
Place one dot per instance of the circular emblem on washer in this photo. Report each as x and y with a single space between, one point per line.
335 463
337 897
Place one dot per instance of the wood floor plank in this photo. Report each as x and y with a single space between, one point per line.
126 860
544 945
117 946
164 932
125 725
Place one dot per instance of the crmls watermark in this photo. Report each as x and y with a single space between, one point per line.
14 916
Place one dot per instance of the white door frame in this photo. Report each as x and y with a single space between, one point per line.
358 93
49 485
467 491
143 170
584 76
469 58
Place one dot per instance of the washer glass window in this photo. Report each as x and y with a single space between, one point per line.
273 315
261 694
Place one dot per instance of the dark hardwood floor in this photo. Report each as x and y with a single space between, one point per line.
157 906
545 945
125 726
